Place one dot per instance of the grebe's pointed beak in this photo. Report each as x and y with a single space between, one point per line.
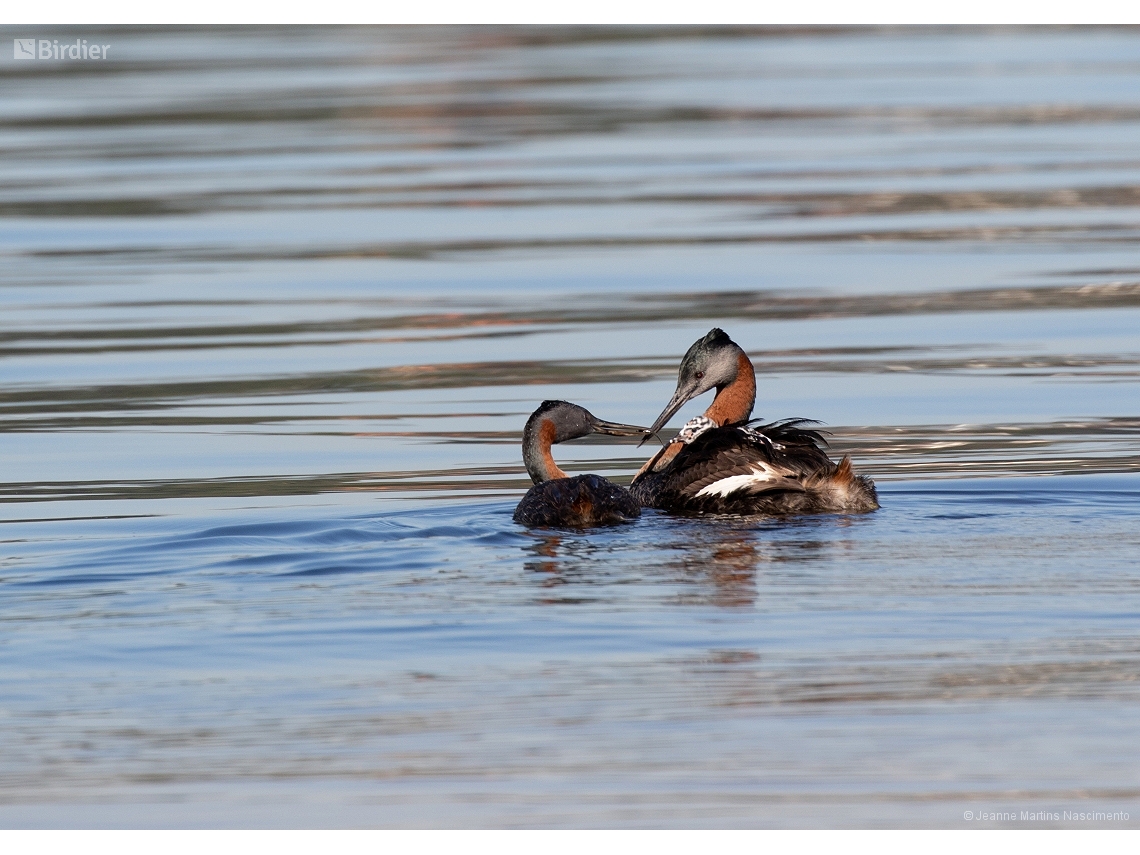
680 398
616 429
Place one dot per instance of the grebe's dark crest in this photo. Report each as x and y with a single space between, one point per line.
722 463
557 499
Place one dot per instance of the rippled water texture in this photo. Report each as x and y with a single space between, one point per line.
275 305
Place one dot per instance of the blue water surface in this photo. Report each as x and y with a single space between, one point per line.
276 304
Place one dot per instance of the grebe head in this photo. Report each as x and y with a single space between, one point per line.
559 421
712 361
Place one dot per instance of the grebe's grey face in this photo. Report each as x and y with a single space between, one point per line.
572 421
711 362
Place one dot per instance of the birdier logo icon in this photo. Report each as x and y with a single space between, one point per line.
52 49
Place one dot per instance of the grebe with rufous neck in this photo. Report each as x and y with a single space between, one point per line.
722 463
556 499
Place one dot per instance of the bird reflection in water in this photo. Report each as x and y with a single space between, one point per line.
560 560
726 563
546 552
731 568
715 564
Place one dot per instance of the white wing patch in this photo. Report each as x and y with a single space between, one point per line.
760 475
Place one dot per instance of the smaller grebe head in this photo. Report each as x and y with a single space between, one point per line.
712 362
559 421
571 421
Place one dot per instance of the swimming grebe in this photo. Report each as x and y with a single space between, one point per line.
556 499
720 464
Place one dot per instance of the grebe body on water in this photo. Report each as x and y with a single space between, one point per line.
722 463
556 499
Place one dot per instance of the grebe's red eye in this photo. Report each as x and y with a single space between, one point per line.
700 374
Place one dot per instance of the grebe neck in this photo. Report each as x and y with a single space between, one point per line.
733 402
538 436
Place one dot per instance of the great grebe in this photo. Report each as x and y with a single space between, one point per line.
556 499
721 463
